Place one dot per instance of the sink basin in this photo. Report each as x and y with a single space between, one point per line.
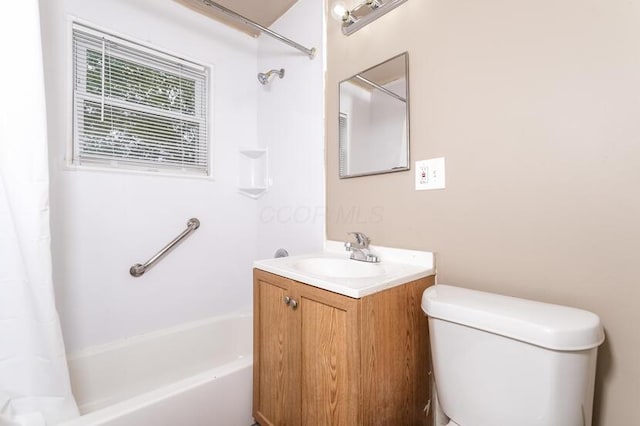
332 269
339 268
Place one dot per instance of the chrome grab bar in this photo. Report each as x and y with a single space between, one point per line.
138 269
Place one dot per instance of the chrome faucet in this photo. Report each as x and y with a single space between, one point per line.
360 249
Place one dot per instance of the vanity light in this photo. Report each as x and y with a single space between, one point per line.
363 14
340 12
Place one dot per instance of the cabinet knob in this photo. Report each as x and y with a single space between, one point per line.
289 301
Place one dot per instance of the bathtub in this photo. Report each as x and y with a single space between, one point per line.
199 374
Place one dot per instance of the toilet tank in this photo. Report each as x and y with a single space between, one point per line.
504 361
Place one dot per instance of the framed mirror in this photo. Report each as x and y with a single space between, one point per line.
374 120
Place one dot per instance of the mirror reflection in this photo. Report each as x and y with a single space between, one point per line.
374 120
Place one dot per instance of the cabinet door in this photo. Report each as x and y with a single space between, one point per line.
329 352
274 352
395 356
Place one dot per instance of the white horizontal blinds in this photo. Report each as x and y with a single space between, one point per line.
343 142
135 107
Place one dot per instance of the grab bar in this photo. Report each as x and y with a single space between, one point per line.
138 269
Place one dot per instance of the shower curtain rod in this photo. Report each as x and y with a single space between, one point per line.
381 88
309 52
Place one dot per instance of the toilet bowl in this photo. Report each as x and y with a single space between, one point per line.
500 360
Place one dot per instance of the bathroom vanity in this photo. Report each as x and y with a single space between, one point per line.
354 354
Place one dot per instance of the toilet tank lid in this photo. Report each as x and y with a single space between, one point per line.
551 326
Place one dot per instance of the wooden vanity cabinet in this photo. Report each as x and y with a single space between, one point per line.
321 358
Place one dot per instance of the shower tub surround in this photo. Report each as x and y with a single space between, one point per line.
186 375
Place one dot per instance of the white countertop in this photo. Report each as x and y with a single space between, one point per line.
397 266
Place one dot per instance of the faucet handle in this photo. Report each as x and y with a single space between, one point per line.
372 258
361 238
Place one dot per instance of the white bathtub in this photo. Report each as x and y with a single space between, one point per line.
199 374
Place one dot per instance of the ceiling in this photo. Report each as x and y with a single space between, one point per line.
384 73
264 12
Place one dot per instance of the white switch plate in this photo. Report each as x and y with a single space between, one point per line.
430 174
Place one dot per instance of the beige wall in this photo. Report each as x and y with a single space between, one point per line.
536 107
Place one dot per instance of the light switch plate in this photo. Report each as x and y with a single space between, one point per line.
430 174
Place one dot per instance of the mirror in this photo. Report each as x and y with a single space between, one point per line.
374 120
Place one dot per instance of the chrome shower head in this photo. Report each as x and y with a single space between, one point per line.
265 77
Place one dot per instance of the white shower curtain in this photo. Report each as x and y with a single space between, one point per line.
34 381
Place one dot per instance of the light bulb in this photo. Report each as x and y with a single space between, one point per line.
339 11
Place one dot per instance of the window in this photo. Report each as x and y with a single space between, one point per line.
137 108
343 143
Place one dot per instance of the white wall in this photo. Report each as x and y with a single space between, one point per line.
388 129
376 125
102 223
291 125
355 102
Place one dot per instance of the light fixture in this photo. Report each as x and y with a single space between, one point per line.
340 12
363 14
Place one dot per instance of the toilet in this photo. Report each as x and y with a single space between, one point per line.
504 361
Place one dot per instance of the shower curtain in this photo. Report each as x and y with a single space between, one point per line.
34 381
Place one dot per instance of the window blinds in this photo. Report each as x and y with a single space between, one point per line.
137 108
343 143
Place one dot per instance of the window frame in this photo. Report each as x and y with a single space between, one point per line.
126 40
